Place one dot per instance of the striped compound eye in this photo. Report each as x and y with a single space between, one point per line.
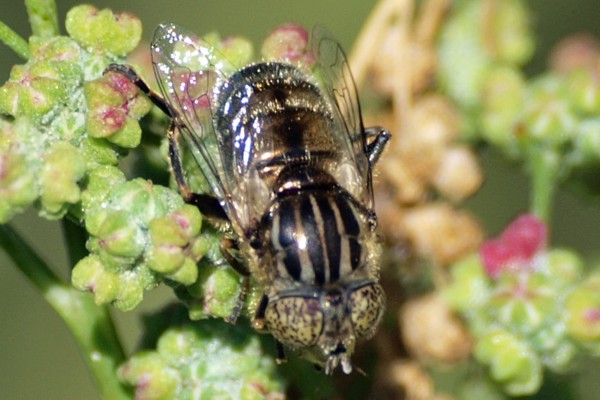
296 321
367 304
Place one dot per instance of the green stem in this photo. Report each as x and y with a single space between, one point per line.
91 325
43 17
544 164
75 237
15 42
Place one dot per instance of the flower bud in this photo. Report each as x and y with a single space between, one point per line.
288 42
63 167
216 359
118 34
512 362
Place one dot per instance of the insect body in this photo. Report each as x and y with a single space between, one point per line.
289 163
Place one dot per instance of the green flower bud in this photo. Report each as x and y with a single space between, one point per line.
556 351
90 275
587 141
564 268
514 44
189 219
583 91
464 62
143 200
62 169
524 305
99 152
155 380
32 91
172 252
100 182
503 102
288 42
212 358
583 313
101 29
129 135
168 239
114 109
186 274
142 232
548 116
131 289
120 236
470 285
217 290
512 362
63 53
236 50
18 180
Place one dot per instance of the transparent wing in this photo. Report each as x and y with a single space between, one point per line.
189 70
333 71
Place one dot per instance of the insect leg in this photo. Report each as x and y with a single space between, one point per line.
207 204
376 146
258 323
128 72
281 357
240 301
228 244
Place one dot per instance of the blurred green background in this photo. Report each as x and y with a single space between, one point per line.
38 357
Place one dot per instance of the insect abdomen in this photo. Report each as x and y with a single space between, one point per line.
316 236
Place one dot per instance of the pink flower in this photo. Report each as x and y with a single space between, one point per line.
288 42
516 247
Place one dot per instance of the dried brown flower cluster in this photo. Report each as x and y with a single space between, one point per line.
425 172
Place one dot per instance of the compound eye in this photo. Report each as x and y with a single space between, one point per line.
367 305
295 321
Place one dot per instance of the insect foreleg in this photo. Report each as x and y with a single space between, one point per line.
207 204
258 322
128 72
281 357
375 147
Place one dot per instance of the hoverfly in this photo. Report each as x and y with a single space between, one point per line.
289 162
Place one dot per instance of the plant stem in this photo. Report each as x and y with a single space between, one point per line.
75 238
544 164
15 42
91 325
43 17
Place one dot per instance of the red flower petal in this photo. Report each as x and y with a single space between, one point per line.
526 236
516 246
496 257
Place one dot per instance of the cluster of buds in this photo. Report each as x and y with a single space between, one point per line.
52 143
68 126
208 360
140 234
553 114
528 306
